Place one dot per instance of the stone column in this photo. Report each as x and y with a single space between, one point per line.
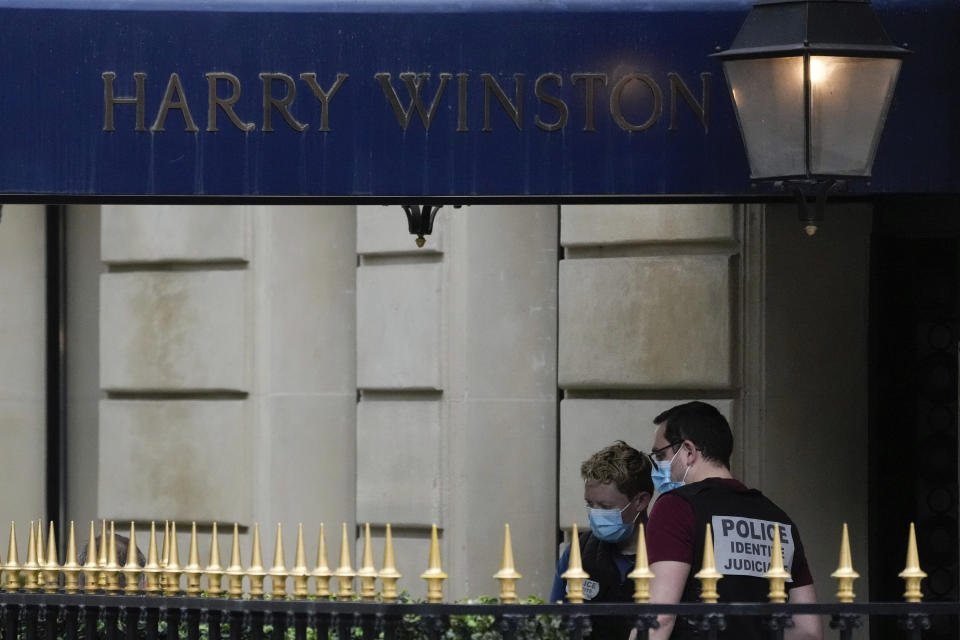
457 371
502 398
305 439
814 442
22 367
84 269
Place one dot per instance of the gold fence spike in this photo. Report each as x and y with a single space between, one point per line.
845 575
193 570
164 552
708 575
388 574
102 557
912 573
51 568
235 571
300 572
112 568
278 572
31 568
777 575
507 576
367 572
71 567
91 567
152 569
131 569
41 549
52 544
171 572
214 570
41 554
344 572
322 572
256 570
575 575
434 574
12 567
641 574
38 544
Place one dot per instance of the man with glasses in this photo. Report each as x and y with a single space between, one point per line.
691 471
617 489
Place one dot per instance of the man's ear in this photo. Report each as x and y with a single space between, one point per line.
643 500
688 447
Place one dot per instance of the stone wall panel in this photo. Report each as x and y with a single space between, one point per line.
174 233
645 323
179 459
173 331
398 326
585 225
398 453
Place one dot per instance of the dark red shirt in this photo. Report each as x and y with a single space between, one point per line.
669 535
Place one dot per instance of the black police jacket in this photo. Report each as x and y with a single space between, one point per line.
742 522
598 561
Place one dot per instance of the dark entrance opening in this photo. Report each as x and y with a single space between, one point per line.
914 328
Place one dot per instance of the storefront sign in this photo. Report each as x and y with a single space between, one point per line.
350 99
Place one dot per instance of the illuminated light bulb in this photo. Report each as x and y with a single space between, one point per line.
819 69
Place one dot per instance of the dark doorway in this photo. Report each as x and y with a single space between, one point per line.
914 328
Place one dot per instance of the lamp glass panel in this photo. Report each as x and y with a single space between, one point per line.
849 98
768 96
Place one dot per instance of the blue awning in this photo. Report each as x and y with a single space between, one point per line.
417 98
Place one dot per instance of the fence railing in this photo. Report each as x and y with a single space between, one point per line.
99 598
44 616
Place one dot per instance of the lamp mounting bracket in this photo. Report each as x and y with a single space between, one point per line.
420 220
816 190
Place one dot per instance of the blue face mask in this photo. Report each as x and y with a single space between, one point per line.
608 524
660 473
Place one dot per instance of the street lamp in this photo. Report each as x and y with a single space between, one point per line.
811 82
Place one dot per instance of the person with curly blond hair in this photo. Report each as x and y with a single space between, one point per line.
617 488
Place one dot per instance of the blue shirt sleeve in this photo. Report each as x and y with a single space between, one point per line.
559 590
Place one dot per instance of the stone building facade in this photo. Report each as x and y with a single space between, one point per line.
311 364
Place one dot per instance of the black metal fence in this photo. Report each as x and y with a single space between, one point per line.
87 617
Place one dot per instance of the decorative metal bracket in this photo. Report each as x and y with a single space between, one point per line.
778 623
643 624
915 624
845 623
712 624
816 189
577 626
420 220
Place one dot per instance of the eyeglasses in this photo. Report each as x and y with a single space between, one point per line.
657 454
618 509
